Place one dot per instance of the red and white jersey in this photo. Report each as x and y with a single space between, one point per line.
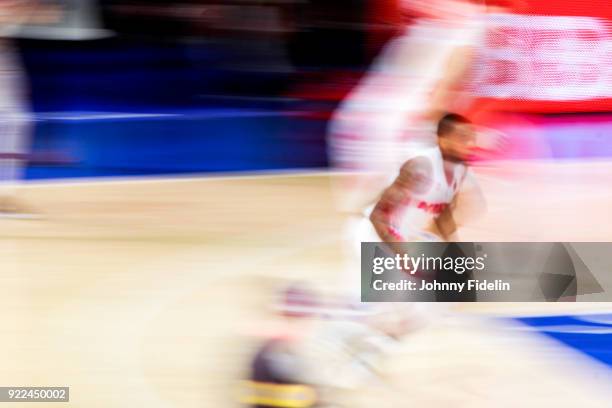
418 209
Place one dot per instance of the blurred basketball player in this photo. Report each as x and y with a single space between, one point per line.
431 196
345 354
314 367
420 204
14 109
390 115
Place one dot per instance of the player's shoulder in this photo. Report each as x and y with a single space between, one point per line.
422 161
418 172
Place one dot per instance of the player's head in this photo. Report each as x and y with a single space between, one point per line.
456 137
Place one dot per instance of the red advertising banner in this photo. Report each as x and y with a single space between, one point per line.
547 57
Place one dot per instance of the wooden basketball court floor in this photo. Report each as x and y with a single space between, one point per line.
138 293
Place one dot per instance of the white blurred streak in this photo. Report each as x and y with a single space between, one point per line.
14 118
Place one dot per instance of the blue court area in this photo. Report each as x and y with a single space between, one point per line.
589 334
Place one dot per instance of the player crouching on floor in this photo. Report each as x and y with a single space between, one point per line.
422 203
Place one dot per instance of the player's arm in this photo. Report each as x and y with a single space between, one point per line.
445 223
413 178
381 216
467 205
383 220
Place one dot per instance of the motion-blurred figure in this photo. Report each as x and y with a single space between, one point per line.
318 367
391 114
424 197
71 20
14 117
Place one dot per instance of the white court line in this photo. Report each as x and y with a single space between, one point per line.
289 172
172 178
214 114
